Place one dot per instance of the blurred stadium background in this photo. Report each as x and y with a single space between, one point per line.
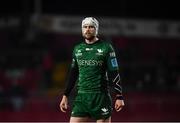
36 40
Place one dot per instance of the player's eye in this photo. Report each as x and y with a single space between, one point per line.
90 27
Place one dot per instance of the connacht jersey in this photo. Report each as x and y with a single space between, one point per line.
92 62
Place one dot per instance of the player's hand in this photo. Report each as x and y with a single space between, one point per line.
119 105
64 104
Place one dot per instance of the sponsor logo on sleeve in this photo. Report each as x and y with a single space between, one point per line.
114 62
73 62
112 54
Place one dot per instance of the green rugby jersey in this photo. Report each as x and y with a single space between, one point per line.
92 61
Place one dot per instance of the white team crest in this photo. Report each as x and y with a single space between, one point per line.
79 53
99 50
104 109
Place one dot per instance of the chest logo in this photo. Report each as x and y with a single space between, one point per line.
99 52
89 49
79 53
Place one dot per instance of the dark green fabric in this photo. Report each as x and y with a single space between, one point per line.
94 105
93 61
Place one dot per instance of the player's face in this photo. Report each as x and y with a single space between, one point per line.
88 32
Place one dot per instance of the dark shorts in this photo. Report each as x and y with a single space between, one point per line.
93 105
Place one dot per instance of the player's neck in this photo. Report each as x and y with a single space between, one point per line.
91 41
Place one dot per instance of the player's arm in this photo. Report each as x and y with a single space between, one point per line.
70 83
114 77
113 72
71 79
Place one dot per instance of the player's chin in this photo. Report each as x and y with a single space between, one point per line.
89 37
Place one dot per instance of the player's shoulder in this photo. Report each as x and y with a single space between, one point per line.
79 44
107 43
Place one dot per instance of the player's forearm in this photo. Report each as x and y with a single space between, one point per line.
72 77
114 77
